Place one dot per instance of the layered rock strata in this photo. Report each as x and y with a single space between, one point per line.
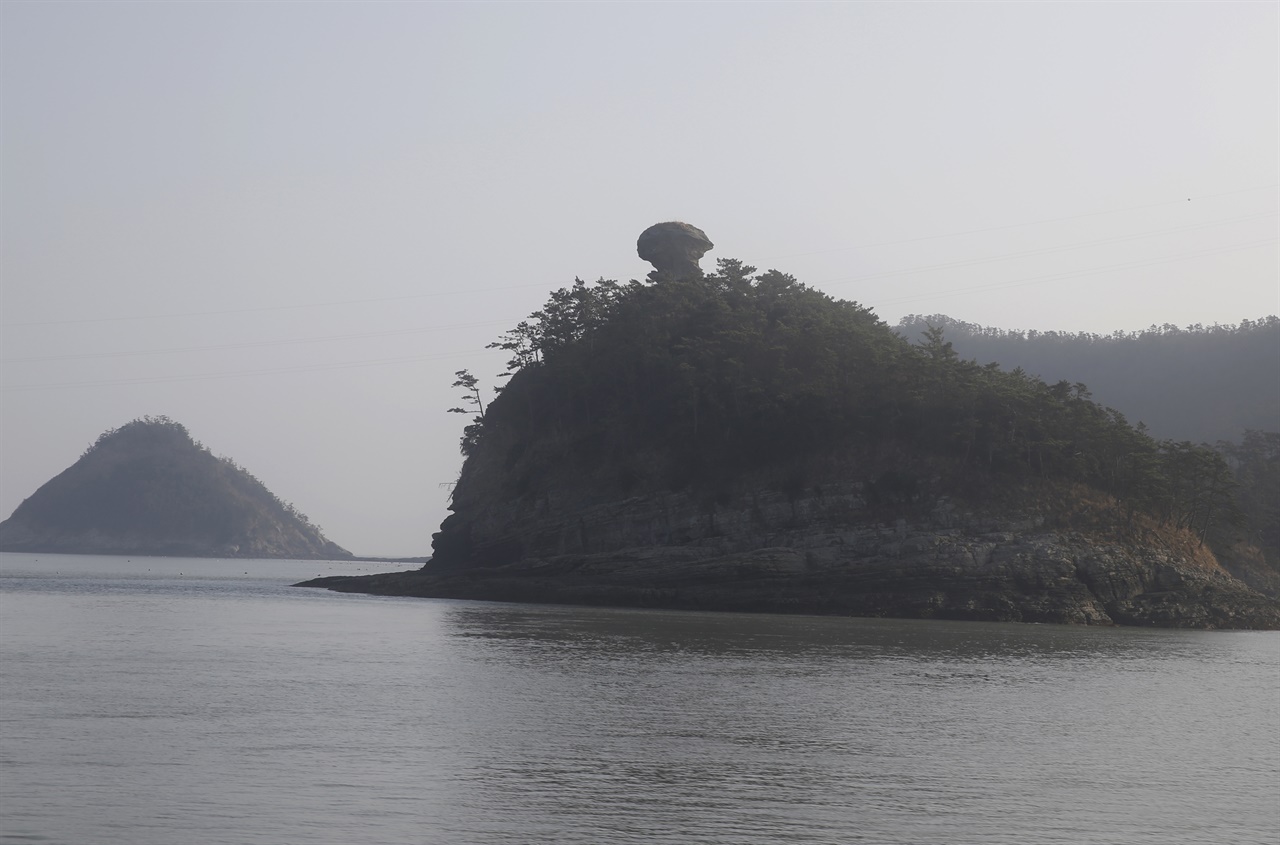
820 551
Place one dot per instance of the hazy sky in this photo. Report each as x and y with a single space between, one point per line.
286 225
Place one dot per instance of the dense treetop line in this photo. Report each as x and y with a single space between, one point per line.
1200 383
711 378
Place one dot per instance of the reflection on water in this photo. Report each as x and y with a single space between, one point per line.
570 629
202 704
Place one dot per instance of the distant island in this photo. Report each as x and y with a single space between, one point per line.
147 488
740 441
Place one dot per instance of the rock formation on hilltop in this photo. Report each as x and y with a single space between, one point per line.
674 248
738 441
147 488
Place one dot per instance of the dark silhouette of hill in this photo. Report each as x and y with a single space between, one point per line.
147 488
1201 383
740 441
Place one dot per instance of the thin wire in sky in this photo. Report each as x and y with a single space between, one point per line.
302 368
458 354
1034 280
1027 223
497 289
838 280
218 347
968 262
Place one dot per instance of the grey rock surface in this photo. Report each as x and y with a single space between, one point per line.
674 249
823 552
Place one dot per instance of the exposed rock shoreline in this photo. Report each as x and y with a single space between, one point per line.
817 553
697 441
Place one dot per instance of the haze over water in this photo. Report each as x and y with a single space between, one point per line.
164 700
288 225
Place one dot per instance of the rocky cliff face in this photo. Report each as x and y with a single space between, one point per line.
821 550
148 489
710 440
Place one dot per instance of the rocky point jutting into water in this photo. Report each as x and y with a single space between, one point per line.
738 441
147 488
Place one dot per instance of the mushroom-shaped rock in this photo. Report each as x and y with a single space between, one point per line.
674 248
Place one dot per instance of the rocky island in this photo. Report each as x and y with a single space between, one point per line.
739 441
147 488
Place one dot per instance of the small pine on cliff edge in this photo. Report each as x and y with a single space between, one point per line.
147 488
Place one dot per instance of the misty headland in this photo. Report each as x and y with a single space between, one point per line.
296 235
740 441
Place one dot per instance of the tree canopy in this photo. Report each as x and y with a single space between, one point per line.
715 376
1198 383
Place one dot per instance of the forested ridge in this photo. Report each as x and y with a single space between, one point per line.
148 487
1198 383
697 383
1216 385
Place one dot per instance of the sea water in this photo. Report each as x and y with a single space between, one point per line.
157 700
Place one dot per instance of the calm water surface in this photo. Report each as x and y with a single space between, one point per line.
171 701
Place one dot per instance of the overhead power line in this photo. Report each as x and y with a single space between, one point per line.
1031 222
424 329
294 306
218 347
448 355
968 262
545 286
303 368
1076 273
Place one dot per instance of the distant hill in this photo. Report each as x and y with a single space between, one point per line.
1201 383
147 488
